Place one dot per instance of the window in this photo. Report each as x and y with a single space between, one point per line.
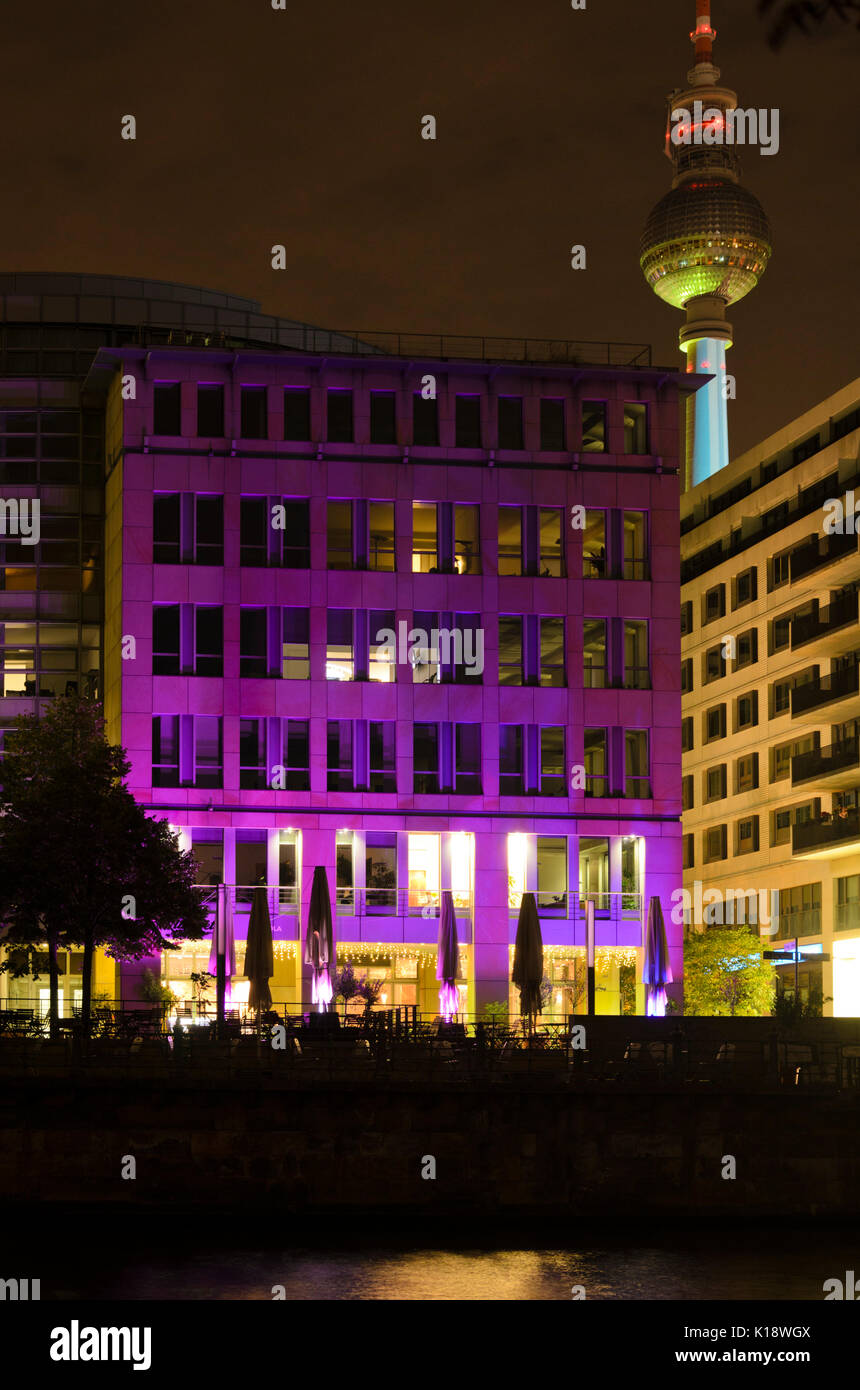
714 605
467 539
340 652
208 847
747 648
295 645
715 783
209 531
467 759
746 835
594 546
552 766
381 871
780 827
782 753
510 651
165 640
687 734
596 763
208 769
635 545
425 421
551 551
594 870
425 758
254 531
381 652
746 710
252 754
339 536
511 778
380 520
425 538
635 427
780 632
593 427
166 408
208 640
253 411
800 911
383 417
714 844
552 437
780 570
467 422
686 618
746 773
715 723
847 913
339 416
296 754
424 655
689 852
165 750
423 855
637 771
165 528
383 777
253 642
687 675
210 411
296 551
745 587
297 413
552 873
510 421
594 667
510 540
687 800
552 651
339 755
780 697
713 664
637 673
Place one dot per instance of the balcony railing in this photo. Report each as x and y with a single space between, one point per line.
805 922
825 834
841 612
846 917
824 762
281 900
837 686
397 902
819 551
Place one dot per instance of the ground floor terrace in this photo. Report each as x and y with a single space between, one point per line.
386 881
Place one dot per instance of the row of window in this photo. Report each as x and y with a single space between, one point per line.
470 425
187 750
367 645
188 528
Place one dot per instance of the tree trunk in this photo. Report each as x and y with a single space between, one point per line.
54 988
87 989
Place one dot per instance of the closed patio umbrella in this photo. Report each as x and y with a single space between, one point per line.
527 973
448 958
259 952
222 957
656 970
319 940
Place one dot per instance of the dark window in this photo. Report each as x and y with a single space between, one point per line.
467 759
383 417
686 618
297 412
746 773
714 604
747 835
510 540
713 664
339 760
746 710
297 534
637 772
553 779
687 675
340 430
252 754
297 755
747 648
165 529
425 756
253 643
208 769
339 527
635 427
209 641
687 793
689 853
209 531
715 783
596 763
254 531
467 422
210 411
552 425
425 421
746 587
166 408
510 422
714 843
715 723
165 640
552 651
383 776
510 651
511 781
254 413
165 750
687 734
593 427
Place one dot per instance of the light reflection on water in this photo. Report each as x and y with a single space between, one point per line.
715 1265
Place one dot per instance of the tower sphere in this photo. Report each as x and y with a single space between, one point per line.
709 236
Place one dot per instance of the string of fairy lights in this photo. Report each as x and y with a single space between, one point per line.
377 953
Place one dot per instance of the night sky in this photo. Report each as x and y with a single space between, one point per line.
302 126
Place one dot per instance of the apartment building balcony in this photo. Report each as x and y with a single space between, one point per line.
818 551
833 628
841 690
833 768
827 838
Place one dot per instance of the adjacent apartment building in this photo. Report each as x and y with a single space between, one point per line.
771 697
404 608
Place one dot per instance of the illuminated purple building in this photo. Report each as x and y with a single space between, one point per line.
410 611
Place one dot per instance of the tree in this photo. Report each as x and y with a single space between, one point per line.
81 863
724 973
805 16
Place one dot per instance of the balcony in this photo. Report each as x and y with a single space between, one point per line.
818 551
840 686
846 916
833 768
827 839
834 625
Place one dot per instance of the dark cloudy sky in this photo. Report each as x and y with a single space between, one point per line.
302 126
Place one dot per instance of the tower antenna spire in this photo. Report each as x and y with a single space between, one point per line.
703 35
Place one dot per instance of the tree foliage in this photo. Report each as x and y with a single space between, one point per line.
724 973
808 17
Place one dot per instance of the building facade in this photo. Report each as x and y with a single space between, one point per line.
405 610
770 650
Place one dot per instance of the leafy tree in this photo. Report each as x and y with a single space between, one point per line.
805 16
81 863
724 973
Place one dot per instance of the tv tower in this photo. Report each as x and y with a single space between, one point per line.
707 242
